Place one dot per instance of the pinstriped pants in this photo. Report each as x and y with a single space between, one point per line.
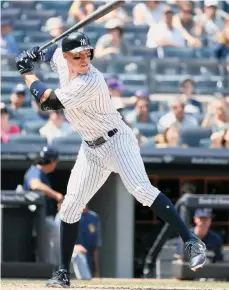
120 154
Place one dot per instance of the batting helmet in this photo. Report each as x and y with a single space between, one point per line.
47 155
76 42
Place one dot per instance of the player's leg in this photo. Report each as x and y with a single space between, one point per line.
87 176
131 168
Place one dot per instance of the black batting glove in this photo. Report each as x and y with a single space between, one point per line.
35 55
23 63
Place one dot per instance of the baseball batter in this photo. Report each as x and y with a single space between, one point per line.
108 144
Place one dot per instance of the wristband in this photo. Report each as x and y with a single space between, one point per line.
37 89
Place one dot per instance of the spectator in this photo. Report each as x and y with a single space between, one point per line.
164 33
36 179
217 116
169 138
221 50
141 113
203 220
8 43
216 139
211 21
112 42
55 127
148 13
226 138
54 26
116 88
7 129
187 87
17 97
85 258
79 10
177 116
184 21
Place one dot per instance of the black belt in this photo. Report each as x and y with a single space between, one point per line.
101 140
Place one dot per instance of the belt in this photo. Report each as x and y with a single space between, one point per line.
101 140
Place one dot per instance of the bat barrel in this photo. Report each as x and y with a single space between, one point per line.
90 18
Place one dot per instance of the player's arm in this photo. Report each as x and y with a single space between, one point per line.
38 185
42 93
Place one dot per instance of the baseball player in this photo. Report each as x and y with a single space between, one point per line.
108 145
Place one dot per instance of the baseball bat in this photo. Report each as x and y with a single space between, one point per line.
100 12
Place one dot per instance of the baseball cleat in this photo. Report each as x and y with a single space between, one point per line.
197 253
60 279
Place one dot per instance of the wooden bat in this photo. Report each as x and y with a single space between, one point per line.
100 12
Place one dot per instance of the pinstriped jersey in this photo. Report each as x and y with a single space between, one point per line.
86 98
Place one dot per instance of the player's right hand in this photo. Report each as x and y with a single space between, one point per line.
35 55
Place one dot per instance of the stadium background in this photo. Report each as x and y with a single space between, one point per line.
158 71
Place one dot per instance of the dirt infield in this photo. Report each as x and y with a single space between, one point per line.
124 284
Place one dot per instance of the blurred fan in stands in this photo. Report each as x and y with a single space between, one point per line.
56 126
221 50
165 33
169 138
7 129
141 113
177 116
8 43
149 12
54 26
17 97
79 10
217 116
187 87
112 42
211 20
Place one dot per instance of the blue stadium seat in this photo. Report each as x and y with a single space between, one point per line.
192 136
69 140
166 67
33 127
180 53
27 139
147 53
146 129
205 143
201 67
128 65
203 52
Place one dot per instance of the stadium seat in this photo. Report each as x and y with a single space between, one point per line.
192 136
168 67
27 139
147 53
146 129
69 140
204 143
129 65
175 52
33 127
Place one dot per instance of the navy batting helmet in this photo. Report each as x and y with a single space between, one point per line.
76 42
47 155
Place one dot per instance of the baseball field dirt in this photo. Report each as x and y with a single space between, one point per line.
124 284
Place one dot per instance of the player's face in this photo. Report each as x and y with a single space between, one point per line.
79 61
203 223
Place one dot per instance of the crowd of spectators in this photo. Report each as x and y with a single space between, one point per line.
171 23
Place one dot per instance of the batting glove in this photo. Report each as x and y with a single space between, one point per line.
24 63
35 55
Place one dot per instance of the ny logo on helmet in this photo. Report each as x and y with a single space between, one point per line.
83 42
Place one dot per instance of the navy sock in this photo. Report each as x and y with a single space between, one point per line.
164 208
68 236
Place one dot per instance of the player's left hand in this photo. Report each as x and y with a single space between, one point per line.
24 63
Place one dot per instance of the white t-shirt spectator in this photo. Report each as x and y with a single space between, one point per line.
159 32
150 16
50 131
169 119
